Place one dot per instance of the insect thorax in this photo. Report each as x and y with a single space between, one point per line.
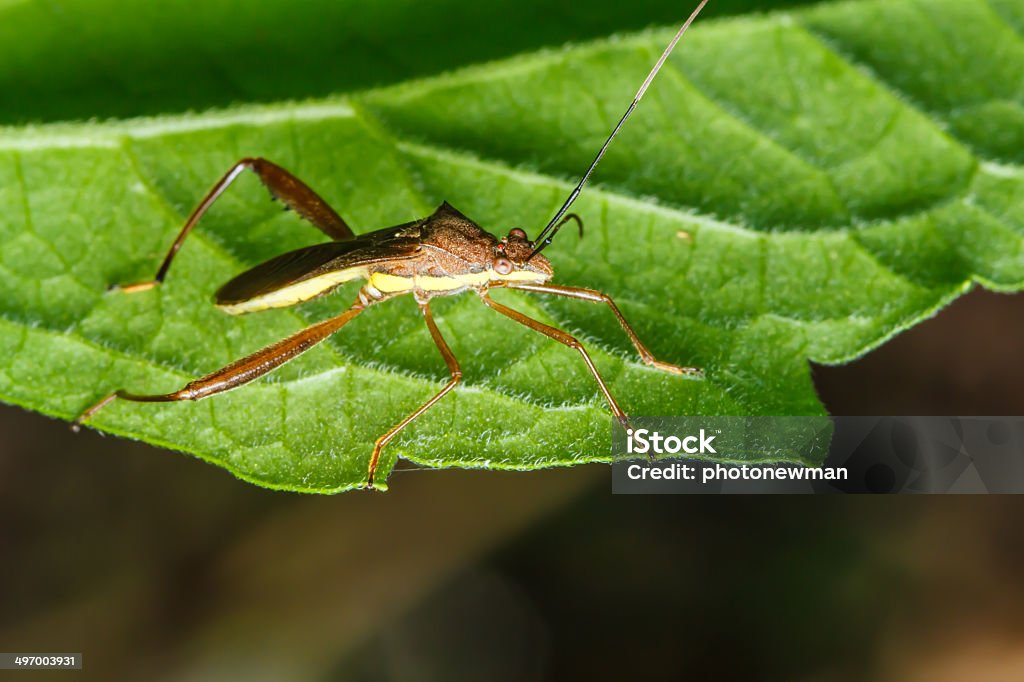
455 254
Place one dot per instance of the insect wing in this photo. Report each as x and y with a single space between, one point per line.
302 274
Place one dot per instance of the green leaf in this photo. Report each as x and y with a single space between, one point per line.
104 58
793 187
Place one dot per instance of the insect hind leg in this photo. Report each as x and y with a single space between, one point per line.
124 395
282 185
239 372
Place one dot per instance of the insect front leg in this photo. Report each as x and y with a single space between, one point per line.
282 185
241 371
564 338
600 297
456 377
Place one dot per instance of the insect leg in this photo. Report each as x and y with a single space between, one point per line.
456 372
600 297
561 337
282 185
241 371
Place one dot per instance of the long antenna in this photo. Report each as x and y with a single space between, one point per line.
546 235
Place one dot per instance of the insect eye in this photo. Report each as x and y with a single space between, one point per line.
517 232
502 266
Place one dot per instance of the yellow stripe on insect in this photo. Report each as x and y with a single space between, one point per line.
382 281
296 293
392 284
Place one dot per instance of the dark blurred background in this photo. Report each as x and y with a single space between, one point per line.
158 566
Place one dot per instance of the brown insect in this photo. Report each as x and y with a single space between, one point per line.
443 254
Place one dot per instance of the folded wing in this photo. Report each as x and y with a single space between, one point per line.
309 272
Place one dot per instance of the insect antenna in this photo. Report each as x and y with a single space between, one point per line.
546 235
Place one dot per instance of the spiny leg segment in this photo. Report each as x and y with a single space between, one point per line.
241 371
456 377
284 186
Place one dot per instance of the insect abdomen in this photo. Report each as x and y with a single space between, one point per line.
290 295
387 283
